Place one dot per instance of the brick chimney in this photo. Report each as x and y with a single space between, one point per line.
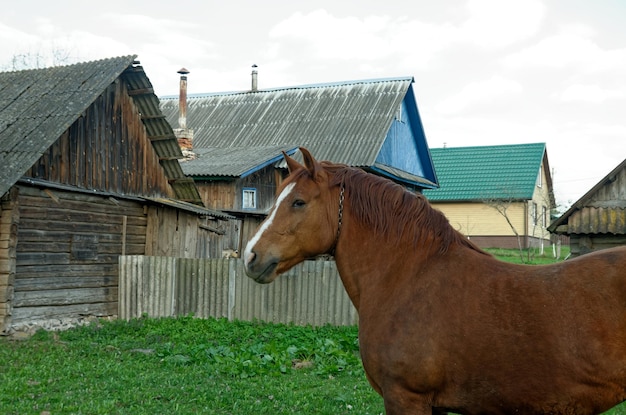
184 134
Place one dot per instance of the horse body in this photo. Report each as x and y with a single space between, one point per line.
508 341
442 324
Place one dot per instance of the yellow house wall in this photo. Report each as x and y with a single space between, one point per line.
541 197
481 219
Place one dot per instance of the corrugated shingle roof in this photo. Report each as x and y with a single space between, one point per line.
232 161
344 122
596 211
486 172
38 105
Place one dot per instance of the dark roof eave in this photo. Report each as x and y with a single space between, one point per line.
402 177
181 205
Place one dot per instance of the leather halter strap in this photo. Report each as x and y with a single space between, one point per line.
340 216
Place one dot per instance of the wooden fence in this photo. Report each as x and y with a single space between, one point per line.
311 293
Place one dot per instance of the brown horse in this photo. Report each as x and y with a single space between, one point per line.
444 326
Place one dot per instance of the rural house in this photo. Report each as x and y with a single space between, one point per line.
88 172
235 139
498 196
598 219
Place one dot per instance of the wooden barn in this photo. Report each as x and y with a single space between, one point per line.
498 196
235 139
598 219
89 171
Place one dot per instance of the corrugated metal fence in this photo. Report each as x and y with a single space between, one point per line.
310 293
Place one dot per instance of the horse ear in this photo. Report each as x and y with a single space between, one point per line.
292 165
309 162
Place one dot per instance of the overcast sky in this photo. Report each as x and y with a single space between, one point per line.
486 71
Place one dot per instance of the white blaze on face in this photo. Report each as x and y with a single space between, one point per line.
247 255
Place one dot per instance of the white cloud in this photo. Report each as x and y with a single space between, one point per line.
320 35
498 23
330 37
558 51
162 36
572 47
486 91
409 43
589 93
13 41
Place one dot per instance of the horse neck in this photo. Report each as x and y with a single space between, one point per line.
368 253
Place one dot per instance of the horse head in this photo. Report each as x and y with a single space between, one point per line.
300 225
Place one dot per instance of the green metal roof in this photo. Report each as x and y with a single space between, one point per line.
486 172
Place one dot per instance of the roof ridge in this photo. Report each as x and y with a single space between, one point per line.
489 146
69 65
293 87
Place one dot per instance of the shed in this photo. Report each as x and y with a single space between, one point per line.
492 193
89 172
598 219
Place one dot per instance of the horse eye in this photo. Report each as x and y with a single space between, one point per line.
298 203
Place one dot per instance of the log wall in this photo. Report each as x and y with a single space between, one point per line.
9 220
59 249
67 252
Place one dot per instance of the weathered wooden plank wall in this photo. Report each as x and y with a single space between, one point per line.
311 293
581 244
68 245
9 219
218 194
107 149
227 194
172 232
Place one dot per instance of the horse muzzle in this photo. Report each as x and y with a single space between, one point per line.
261 271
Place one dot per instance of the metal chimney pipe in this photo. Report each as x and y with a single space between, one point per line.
182 99
255 76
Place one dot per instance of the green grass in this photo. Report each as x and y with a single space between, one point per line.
186 366
531 256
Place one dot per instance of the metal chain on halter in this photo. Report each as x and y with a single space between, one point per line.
341 199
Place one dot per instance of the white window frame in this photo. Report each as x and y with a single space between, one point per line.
248 198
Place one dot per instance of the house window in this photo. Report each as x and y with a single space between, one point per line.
249 198
534 213
544 216
540 177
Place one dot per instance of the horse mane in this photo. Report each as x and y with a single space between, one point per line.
394 212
